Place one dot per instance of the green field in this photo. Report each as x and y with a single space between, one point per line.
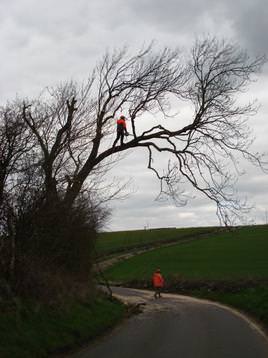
239 254
114 242
229 267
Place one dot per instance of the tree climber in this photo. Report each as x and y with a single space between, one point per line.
121 130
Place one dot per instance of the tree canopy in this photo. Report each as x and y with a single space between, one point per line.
69 129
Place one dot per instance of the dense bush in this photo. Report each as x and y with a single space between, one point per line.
48 253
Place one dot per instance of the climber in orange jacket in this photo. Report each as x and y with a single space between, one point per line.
158 283
121 130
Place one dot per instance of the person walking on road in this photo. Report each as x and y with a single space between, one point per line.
158 283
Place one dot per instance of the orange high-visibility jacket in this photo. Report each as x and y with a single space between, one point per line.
121 123
158 280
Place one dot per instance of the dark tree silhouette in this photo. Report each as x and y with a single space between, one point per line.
74 127
56 152
15 143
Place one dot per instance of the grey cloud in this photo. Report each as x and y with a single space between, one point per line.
245 21
170 15
153 214
249 20
48 17
255 184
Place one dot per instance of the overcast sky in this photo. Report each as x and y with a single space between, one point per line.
44 43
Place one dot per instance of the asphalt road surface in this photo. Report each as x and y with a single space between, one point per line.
176 326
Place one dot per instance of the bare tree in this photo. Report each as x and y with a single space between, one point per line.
15 142
74 127
57 150
15 145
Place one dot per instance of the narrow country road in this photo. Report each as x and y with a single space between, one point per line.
179 327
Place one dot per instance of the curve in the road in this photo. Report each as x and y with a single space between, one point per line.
179 327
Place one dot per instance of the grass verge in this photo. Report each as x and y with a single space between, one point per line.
37 331
252 301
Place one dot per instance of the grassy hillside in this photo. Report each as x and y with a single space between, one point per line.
114 242
240 254
39 330
230 267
